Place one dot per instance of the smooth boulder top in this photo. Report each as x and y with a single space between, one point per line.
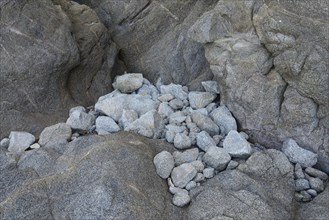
128 82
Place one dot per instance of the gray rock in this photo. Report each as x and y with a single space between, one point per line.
127 117
35 146
199 177
236 145
128 83
77 108
297 154
113 104
104 123
312 192
175 128
182 141
165 110
200 99
205 123
19 141
217 139
316 184
301 184
55 133
299 174
183 174
244 134
209 172
149 125
164 163
4 143
148 90
224 119
176 104
175 90
166 97
170 136
204 141
190 185
210 86
317 208
232 165
211 107
186 156
177 117
199 166
181 199
316 173
80 121
203 111
217 158
303 196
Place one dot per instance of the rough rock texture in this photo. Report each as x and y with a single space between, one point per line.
50 59
270 59
55 133
108 177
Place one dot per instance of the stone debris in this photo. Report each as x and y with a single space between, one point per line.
107 124
183 174
80 121
236 145
210 86
216 158
204 141
128 83
186 156
54 133
19 141
224 119
200 99
164 163
4 143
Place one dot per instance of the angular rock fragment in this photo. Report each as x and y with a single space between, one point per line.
216 158
55 133
301 184
165 109
224 119
210 86
107 124
200 99
127 117
164 163
204 141
209 172
236 145
183 174
128 83
205 123
182 141
316 173
80 121
181 199
186 156
19 141
316 184
175 90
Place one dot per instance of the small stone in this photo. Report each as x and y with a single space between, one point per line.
216 158
316 184
297 154
80 121
55 133
176 104
205 123
181 199
127 117
236 145
170 136
301 184
166 97
200 99
192 135
104 123
210 86
182 141
170 184
19 141
232 165
223 119
303 196
202 111
35 146
211 107
190 185
165 110
312 192
183 174
128 83
245 135
4 143
199 178
199 166
185 156
316 173
204 141
209 172
164 163
299 171
175 128
174 190
177 117
175 90
217 138
77 108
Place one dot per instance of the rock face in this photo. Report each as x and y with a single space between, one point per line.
108 177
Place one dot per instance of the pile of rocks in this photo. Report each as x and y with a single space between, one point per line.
203 132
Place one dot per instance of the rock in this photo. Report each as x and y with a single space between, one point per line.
216 158
113 104
244 134
211 107
316 184
148 90
164 163
127 117
77 108
297 154
299 174
236 145
104 123
186 156
175 90
181 199
316 173
19 141
312 192
190 185
301 184
128 83
170 136
80 121
198 165
55 133
199 178
176 104
204 141
205 123
200 99
182 141
35 146
175 128
210 86
303 196
177 117
208 172
93 173
149 125
4 143
166 97
165 110
224 119
232 165
183 174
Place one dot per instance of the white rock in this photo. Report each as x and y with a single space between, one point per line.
80 121
104 123
164 163
128 83
204 141
297 154
224 119
236 145
165 110
183 174
200 99
211 86
216 158
182 141
55 133
19 141
35 146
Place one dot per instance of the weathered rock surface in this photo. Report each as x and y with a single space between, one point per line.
128 82
55 133
94 178
236 145
164 163
19 141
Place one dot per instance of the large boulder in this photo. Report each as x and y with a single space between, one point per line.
52 55
95 177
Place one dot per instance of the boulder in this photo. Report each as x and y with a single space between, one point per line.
19 141
128 83
55 133
236 145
